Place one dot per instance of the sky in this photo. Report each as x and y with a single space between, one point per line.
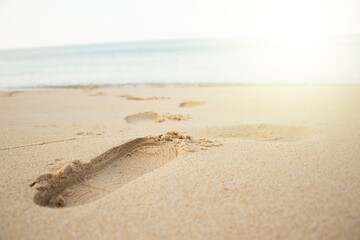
39 23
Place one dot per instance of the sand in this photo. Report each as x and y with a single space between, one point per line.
241 162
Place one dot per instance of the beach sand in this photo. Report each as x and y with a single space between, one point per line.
231 162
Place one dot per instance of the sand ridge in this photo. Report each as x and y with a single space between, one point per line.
154 117
78 183
38 144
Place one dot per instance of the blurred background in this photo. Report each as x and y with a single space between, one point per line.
146 43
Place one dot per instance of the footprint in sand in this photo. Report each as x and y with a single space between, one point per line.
88 89
79 183
10 94
260 132
154 117
128 97
98 94
191 103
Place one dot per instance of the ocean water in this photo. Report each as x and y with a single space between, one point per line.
332 60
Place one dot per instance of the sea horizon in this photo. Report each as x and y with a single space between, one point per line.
334 60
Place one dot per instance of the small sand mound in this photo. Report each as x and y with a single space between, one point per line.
154 117
142 98
79 183
191 104
260 132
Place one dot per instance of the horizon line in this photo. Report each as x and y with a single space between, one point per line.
159 40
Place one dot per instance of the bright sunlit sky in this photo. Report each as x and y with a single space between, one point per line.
35 23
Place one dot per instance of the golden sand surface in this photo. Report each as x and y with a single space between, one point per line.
230 162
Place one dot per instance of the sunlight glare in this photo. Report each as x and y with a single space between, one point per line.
295 28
